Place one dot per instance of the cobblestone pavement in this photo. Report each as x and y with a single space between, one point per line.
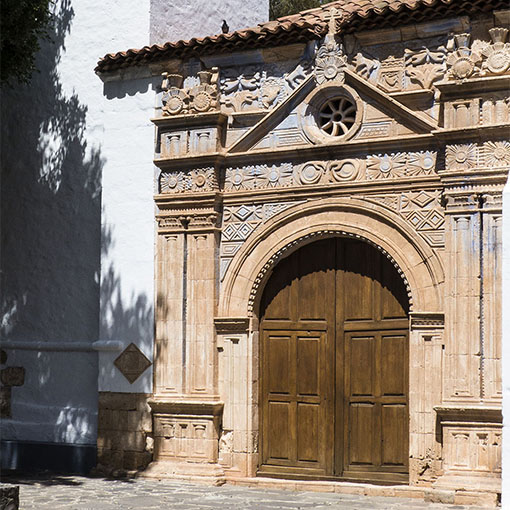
80 493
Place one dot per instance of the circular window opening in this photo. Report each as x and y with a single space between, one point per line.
337 116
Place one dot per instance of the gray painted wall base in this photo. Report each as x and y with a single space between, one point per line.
31 456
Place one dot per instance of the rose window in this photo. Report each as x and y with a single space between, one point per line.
337 116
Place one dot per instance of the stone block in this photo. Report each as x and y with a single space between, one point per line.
12 376
483 499
439 496
5 402
9 496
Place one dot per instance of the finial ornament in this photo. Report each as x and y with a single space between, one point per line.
330 60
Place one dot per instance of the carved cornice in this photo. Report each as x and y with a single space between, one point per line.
229 325
473 86
192 120
197 212
427 320
186 407
466 414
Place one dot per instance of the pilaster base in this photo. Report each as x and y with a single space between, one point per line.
186 435
211 474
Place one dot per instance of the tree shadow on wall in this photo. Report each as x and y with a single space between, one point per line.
50 246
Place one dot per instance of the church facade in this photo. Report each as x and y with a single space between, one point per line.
329 247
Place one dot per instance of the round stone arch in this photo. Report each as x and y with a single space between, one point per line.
251 267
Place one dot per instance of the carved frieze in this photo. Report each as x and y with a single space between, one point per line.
376 167
260 87
238 224
421 209
197 180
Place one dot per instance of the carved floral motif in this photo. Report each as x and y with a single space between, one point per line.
198 99
497 154
420 163
425 66
463 62
497 54
461 157
330 60
387 166
202 179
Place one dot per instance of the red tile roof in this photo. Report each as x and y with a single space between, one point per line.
301 27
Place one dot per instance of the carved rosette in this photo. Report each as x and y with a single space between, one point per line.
197 180
330 62
387 166
461 157
421 163
274 175
463 62
497 54
497 154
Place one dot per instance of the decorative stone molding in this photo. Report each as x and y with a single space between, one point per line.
278 255
226 325
425 320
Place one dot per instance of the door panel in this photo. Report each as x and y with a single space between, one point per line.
334 365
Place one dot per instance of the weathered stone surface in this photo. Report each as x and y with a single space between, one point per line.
9 497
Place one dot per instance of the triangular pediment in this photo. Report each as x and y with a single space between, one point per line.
296 122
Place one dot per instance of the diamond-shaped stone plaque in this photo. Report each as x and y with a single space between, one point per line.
132 363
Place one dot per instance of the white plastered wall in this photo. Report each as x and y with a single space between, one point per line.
77 223
172 21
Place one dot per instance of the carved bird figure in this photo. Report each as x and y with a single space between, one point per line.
224 27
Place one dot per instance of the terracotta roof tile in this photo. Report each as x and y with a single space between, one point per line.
300 27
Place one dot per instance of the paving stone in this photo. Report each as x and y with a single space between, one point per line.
81 493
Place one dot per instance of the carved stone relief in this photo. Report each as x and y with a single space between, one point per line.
238 224
497 54
425 66
376 167
132 363
260 87
197 180
200 98
421 209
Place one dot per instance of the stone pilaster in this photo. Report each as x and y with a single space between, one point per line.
186 408
462 303
238 442
426 353
491 297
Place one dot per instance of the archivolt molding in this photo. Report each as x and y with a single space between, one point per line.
418 264
268 266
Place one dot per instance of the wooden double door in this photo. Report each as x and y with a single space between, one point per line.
334 365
